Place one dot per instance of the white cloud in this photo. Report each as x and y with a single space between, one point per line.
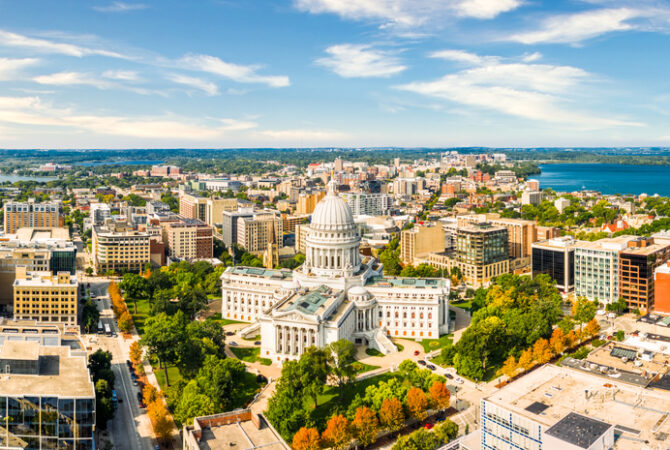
531 91
238 125
198 83
302 135
72 78
531 57
235 72
408 13
121 7
11 68
8 39
32 111
461 56
121 75
360 61
574 28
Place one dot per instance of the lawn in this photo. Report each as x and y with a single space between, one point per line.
143 312
173 374
373 352
464 305
433 344
362 367
248 387
328 401
248 354
253 339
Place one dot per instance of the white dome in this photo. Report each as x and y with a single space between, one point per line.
358 290
332 214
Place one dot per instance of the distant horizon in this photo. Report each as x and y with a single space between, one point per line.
336 148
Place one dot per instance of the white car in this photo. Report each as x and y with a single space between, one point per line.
600 312
459 380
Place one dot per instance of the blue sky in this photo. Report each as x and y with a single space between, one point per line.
250 73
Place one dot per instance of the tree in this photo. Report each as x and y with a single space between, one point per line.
618 306
391 414
416 403
446 431
193 403
557 341
365 425
337 434
160 419
526 359
376 394
314 370
136 353
342 358
218 379
421 439
306 439
126 322
149 394
583 310
100 365
440 395
620 335
162 335
542 351
104 408
510 367
134 286
90 316
592 328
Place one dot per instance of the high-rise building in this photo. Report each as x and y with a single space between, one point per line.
165 171
189 239
308 201
531 198
597 268
338 165
32 215
47 397
636 271
533 185
99 212
193 206
365 204
556 258
118 247
214 208
290 222
229 224
420 240
254 233
521 235
43 297
662 289
482 244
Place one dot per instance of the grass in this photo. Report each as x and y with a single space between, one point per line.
399 346
434 344
253 339
173 374
265 361
373 352
464 305
247 387
362 367
248 354
143 313
224 322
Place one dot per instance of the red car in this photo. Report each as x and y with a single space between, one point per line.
428 426
416 353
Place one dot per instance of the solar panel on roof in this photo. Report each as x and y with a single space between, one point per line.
537 407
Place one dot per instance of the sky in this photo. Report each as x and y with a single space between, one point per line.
334 73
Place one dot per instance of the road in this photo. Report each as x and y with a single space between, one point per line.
130 429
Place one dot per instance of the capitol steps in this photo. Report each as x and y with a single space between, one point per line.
383 343
252 330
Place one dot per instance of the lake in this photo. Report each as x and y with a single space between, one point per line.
15 178
606 178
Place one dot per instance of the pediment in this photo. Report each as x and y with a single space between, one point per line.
294 316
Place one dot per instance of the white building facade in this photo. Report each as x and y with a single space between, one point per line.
336 294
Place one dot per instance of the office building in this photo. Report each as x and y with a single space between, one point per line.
189 239
165 171
33 215
365 204
289 223
521 235
99 212
556 258
214 208
561 408
47 398
307 201
561 203
637 263
118 247
420 240
407 186
533 185
597 268
254 233
531 198
193 206
301 233
662 289
229 224
482 244
45 297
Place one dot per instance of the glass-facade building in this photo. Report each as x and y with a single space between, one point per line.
556 258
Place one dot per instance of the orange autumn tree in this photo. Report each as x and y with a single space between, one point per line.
417 402
557 341
510 367
125 322
160 420
526 359
440 395
149 394
391 414
541 351
306 439
337 434
365 425
136 353
592 328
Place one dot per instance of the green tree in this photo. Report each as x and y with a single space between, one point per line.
314 371
90 316
341 361
100 366
104 409
583 310
162 336
384 390
446 431
134 286
193 403
421 439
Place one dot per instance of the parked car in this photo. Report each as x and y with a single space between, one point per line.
449 376
416 353
229 333
459 380
119 399
431 367
261 378
421 362
232 344
428 426
257 343
128 363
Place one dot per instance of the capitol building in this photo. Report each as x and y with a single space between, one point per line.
335 294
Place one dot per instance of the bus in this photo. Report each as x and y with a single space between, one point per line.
108 330
100 328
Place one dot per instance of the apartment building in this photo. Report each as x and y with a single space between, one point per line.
289 223
301 233
307 201
556 258
214 208
531 198
254 233
118 247
408 186
597 268
45 297
32 215
662 289
193 206
189 239
637 263
366 204
229 224
521 235
47 398
420 240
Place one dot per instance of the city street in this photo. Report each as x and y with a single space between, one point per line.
130 428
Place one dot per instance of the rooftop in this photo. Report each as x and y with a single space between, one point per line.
261 272
413 283
578 430
20 350
310 302
603 399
